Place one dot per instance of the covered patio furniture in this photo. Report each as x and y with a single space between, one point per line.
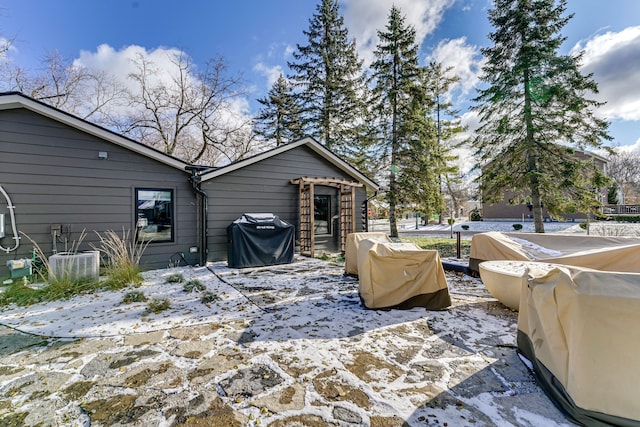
578 330
608 253
401 275
505 279
352 244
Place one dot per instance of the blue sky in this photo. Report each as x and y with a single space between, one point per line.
256 38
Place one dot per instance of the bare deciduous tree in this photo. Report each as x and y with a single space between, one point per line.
623 168
174 108
5 45
184 112
86 93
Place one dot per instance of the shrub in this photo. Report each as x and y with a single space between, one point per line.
158 305
583 225
208 297
474 215
628 218
193 285
18 293
327 256
445 247
174 278
465 227
133 296
123 256
517 227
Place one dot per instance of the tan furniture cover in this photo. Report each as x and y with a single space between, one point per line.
597 252
401 275
351 248
505 279
581 330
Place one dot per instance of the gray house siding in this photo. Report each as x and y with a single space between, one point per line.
265 186
53 175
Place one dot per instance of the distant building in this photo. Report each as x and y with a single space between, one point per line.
507 210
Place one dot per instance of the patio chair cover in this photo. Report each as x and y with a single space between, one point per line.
401 275
580 330
608 253
351 248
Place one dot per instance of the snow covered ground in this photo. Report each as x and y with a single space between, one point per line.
280 345
408 225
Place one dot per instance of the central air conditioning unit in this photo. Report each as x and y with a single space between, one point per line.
74 266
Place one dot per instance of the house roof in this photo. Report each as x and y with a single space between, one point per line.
308 142
13 100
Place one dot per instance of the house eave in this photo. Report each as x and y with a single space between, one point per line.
17 100
310 143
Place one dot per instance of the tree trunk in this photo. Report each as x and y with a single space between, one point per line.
454 199
393 224
532 159
534 185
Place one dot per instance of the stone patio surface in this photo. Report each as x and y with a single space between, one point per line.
287 345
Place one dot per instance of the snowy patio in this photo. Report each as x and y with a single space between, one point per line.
279 345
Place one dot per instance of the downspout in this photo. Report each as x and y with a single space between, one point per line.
203 241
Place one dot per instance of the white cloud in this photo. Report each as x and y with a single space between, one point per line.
614 60
471 121
464 151
270 72
365 17
630 148
121 63
465 59
288 51
278 53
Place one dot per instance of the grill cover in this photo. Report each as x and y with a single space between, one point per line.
258 239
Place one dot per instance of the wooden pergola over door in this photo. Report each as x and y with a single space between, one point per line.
347 209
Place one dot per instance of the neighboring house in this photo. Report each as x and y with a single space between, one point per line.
64 175
506 210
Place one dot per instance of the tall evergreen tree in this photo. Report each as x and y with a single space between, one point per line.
535 111
406 133
420 159
279 118
448 127
328 74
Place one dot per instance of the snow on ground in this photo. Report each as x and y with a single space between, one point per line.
309 298
408 226
279 345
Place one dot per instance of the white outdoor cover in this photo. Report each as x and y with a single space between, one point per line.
505 279
401 275
351 249
609 253
583 326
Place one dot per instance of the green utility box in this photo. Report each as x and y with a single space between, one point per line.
19 268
